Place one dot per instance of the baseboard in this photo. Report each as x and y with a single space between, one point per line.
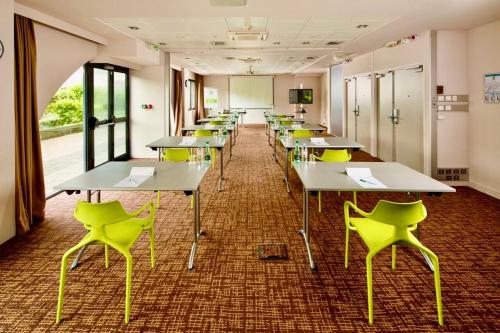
485 189
456 183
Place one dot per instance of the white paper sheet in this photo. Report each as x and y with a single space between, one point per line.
132 181
319 141
364 178
295 126
137 176
187 141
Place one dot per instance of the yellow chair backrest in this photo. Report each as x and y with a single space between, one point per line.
202 132
301 133
335 155
176 154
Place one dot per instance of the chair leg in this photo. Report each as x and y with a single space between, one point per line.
62 278
158 200
214 154
370 288
346 260
355 198
192 201
319 201
106 255
437 282
128 287
394 257
152 245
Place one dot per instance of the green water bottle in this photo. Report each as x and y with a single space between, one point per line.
207 151
296 152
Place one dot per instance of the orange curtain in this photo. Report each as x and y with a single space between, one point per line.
200 98
30 187
178 102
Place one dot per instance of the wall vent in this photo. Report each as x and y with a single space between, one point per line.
216 43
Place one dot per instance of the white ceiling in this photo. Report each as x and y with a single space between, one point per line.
189 26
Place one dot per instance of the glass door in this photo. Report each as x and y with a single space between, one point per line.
106 114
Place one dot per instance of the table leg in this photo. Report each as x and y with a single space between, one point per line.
305 229
275 157
269 134
426 257
221 168
159 154
230 146
75 262
196 228
286 169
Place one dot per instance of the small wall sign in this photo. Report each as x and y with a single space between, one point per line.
492 88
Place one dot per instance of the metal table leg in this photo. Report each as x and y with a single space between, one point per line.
426 257
221 168
196 228
286 169
230 146
305 229
275 157
75 262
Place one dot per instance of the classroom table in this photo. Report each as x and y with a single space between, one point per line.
319 176
199 142
233 121
311 127
181 176
213 128
270 121
331 142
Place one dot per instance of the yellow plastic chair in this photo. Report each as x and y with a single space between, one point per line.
286 122
175 155
389 224
302 133
216 122
281 116
202 133
334 155
110 224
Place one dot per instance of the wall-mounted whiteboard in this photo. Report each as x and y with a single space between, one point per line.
251 92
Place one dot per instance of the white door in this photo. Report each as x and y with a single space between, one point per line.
408 105
364 103
351 107
385 124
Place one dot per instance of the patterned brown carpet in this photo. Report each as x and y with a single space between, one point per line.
231 290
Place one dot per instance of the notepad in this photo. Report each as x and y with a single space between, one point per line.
364 178
187 141
319 141
137 176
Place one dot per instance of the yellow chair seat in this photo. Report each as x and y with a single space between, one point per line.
373 233
125 233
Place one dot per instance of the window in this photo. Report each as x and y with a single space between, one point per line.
191 86
61 134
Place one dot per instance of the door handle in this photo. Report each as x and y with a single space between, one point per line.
395 116
356 111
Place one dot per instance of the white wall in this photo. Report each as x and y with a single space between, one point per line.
325 100
415 53
59 55
282 83
484 119
452 126
7 159
149 85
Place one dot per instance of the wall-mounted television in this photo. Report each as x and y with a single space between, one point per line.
300 96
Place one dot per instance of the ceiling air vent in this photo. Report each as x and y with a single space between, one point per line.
250 60
218 43
333 43
248 36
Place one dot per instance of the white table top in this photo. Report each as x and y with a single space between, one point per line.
311 127
193 128
174 142
324 176
207 120
169 176
332 142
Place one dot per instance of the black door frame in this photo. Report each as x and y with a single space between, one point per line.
90 123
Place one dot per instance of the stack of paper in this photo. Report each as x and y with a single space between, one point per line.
364 178
137 176
319 141
187 141
297 126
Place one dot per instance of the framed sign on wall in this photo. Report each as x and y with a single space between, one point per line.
492 88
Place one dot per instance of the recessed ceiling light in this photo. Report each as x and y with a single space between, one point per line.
133 27
276 43
229 58
362 26
311 58
306 43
